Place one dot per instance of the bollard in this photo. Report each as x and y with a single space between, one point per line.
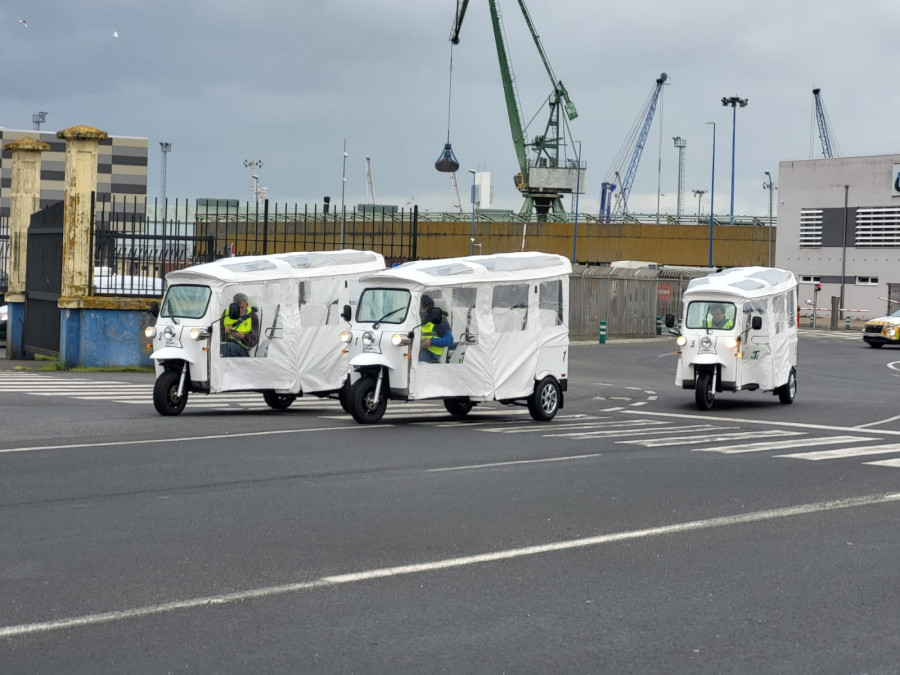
659 325
848 323
602 332
812 321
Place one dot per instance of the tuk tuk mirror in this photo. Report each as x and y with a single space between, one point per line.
670 320
345 313
234 311
154 309
756 322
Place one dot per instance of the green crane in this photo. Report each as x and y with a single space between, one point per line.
542 179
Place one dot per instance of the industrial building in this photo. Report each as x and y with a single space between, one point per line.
839 226
121 167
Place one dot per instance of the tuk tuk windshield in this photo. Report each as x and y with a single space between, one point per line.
715 315
383 305
188 302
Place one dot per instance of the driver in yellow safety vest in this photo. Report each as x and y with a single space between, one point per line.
435 337
239 335
718 318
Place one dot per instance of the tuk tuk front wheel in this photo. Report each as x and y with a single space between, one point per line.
703 390
458 407
165 394
278 401
787 392
361 400
543 404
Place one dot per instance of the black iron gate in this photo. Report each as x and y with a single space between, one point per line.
43 281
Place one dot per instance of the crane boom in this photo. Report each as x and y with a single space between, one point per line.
619 204
542 179
823 126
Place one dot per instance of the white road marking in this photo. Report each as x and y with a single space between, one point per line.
743 420
512 463
447 563
841 453
587 435
620 424
781 445
716 438
885 462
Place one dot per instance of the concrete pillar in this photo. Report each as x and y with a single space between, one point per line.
82 149
24 200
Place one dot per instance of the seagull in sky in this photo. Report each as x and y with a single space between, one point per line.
115 33
23 22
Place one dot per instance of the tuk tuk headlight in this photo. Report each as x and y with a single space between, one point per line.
705 342
199 333
150 332
346 336
368 338
681 341
168 333
732 342
400 339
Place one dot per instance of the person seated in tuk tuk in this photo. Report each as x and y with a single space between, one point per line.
435 337
240 335
718 319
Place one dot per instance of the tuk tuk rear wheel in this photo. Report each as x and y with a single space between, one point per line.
343 395
543 404
787 392
703 390
278 401
165 394
458 407
361 400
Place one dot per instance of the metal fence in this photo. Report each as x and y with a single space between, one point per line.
4 254
135 243
629 300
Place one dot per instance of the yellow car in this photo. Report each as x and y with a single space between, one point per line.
885 330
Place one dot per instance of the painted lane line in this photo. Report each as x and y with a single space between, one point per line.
842 453
190 439
512 463
738 435
617 424
781 445
895 463
744 420
632 432
447 563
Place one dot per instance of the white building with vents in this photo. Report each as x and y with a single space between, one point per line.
839 225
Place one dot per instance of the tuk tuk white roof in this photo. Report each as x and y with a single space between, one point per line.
297 264
745 282
468 270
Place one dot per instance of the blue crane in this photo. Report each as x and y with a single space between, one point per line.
610 211
823 126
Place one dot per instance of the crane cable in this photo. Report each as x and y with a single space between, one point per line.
447 162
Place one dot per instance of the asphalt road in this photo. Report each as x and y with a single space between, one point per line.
633 534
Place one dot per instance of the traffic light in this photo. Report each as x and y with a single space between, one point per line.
327 203
818 287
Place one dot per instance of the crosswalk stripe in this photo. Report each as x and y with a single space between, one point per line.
841 453
718 437
781 445
587 435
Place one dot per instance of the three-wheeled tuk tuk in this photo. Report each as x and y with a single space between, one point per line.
739 332
465 330
268 324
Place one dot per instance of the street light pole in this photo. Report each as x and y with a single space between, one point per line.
734 102
343 186
699 194
472 234
712 195
770 188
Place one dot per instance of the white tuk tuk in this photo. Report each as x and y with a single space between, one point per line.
739 332
291 326
508 334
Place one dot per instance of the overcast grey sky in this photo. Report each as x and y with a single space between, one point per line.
286 81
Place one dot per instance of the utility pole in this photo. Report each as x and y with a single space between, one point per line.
699 195
681 144
165 148
770 187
